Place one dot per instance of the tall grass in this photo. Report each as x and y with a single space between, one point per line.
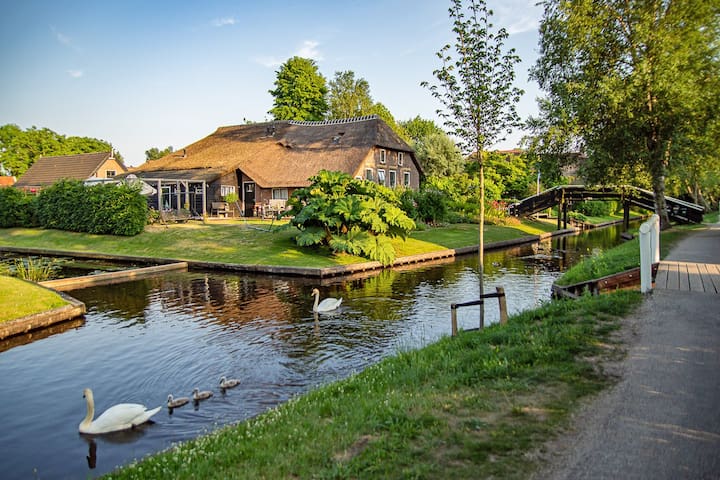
34 270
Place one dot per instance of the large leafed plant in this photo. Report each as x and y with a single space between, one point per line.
349 215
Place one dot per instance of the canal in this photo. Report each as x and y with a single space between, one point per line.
143 340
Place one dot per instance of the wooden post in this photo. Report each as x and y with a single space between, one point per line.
626 216
453 319
502 304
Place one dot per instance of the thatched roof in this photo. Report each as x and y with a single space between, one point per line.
279 154
48 170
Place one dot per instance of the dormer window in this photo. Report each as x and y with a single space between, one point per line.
383 156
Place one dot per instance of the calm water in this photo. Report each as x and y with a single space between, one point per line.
142 340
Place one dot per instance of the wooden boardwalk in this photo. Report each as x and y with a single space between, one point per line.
688 276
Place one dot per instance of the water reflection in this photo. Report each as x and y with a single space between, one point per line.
145 339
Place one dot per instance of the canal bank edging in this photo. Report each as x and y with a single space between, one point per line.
75 308
321 273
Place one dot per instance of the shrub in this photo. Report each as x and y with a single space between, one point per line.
349 215
17 209
115 209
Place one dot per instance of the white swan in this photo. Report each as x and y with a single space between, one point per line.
204 395
327 305
122 416
228 383
176 402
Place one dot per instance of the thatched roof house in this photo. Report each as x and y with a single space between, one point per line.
83 166
264 162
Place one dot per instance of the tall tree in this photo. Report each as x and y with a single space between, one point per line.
634 76
438 155
300 91
349 97
20 148
418 128
154 153
475 87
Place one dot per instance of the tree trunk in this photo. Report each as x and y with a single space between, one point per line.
657 171
481 241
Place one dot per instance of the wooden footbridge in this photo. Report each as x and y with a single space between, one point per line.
565 195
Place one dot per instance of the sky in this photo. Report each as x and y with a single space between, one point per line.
142 74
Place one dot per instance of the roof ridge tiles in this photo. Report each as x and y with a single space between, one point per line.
336 121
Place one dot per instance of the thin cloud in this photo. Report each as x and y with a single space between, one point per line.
224 21
524 24
268 61
309 50
76 73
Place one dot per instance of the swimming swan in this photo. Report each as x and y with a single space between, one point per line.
122 416
228 383
327 305
176 402
204 395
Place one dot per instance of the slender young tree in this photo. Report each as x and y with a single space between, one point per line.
475 87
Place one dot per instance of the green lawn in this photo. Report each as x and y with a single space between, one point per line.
254 244
19 298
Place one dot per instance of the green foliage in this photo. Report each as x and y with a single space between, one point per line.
635 84
115 209
19 149
349 215
349 97
438 155
300 91
154 153
475 82
596 208
17 209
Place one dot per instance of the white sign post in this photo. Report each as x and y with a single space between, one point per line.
649 251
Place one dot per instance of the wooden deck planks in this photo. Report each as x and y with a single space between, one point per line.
688 276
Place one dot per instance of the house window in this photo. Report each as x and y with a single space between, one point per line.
280 194
110 173
226 190
401 158
406 179
369 174
383 156
392 178
381 177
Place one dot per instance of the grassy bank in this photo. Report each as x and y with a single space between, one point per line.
254 244
474 406
625 256
19 298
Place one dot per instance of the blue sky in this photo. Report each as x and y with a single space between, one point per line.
145 74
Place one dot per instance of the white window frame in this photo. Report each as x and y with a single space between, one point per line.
226 190
369 174
383 156
381 176
392 178
401 159
280 193
406 179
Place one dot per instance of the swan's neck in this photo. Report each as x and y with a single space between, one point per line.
90 410
317 301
